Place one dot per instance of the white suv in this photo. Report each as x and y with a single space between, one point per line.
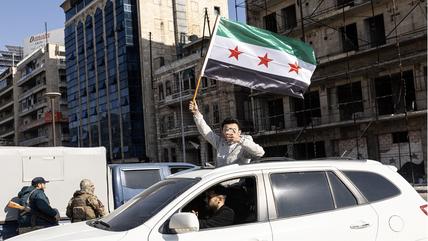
333 200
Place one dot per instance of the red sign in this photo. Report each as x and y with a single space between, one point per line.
48 116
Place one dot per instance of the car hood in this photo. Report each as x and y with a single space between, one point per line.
70 232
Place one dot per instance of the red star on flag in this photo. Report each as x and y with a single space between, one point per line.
294 67
235 53
264 60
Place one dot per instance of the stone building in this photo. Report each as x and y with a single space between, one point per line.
7 113
368 95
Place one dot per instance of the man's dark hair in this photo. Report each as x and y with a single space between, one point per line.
230 120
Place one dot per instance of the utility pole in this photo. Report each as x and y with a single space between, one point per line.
52 96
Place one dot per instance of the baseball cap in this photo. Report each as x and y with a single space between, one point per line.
38 180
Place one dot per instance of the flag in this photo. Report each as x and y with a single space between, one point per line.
259 59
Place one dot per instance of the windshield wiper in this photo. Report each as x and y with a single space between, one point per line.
104 224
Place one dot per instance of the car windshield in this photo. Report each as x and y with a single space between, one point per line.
143 206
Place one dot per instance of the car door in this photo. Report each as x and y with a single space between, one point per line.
307 205
248 229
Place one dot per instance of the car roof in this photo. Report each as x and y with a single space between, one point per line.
151 164
275 164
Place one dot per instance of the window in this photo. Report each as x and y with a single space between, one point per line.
141 179
390 93
160 89
309 150
216 114
168 88
307 109
376 29
241 197
301 193
176 169
373 186
146 204
349 37
290 20
349 98
400 137
343 3
270 22
275 116
341 194
216 10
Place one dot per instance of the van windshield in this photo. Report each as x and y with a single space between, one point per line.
143 206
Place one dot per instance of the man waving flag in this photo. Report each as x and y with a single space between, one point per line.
256 58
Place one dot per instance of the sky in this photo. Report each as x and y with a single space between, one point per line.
21 18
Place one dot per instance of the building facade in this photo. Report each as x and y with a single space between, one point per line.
7 113
40 72
164 31
10 57
103 77
368 95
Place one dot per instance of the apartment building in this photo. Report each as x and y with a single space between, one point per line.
368 95
7 117
10 57
40 72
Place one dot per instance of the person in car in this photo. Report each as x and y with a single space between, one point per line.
232 146
219 214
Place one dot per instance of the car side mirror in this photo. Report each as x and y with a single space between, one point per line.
184 222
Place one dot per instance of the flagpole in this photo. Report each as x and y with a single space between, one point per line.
205 58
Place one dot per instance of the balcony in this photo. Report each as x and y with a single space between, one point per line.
6 119
5 105
34 141
189 130
31 91
30 109
173 99
28 76
6 89
32 125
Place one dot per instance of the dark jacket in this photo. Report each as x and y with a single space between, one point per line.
41 211
222 217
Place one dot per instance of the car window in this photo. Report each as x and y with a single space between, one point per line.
372 185
300 193
174 170
146 204
342 196
241 197
141 179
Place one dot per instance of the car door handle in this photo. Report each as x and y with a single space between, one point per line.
360 225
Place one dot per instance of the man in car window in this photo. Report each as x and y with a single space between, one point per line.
219 214
232 147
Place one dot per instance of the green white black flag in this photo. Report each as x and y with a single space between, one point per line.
256 58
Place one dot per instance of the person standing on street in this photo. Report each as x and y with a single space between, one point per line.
232 147
84 205
40 214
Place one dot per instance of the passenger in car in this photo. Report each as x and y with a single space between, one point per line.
232 147
219 214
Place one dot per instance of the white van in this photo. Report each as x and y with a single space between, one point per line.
293 200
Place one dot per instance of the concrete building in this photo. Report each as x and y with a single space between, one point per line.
7 117
10 57
40 72
164 31
368 97
113 48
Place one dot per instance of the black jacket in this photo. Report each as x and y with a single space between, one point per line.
39 204
222 217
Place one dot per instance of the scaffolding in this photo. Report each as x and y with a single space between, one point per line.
351 113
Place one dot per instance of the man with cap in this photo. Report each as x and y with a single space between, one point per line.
220 214
41 214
